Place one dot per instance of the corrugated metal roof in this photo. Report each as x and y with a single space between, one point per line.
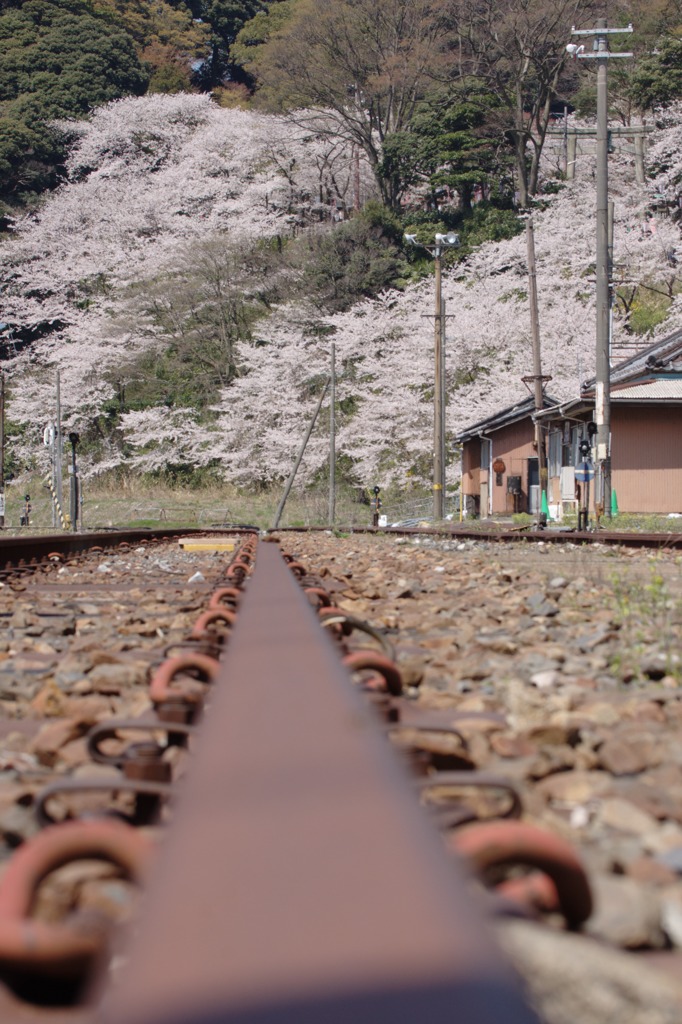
665 350
651 390
502 418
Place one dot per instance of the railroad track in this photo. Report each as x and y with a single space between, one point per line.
235 729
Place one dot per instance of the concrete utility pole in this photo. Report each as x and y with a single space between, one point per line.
451 240
332 439
438 441
443 400
2 450
602 407
58 445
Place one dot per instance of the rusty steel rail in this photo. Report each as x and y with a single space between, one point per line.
300 881
26 552
668 541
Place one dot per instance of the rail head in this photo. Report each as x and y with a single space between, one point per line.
300 881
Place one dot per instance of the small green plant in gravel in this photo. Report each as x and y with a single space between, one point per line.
649 615
522 519
641 522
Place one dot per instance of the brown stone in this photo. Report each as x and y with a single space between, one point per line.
650 872
49 702
661 801
434 643
552 734
630 754
114 898
506 744
18 823
550 760
623 816
574 787
112 678
53 736
645 711
74 753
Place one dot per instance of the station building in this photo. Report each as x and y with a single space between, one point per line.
500 471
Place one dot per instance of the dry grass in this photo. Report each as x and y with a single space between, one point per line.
134 502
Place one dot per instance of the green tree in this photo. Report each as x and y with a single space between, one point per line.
225 18
358 67
448 143
60 58
168 39
198 314
356 260
57 59
517 48
657 77
30 159
259 30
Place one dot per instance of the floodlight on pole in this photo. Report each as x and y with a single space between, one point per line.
450 240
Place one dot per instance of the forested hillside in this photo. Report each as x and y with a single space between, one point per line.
186 257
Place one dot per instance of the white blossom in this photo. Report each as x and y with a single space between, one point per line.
151 177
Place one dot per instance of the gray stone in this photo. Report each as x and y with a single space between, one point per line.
575 980
656 664
539 605
17 824
626 914
672 859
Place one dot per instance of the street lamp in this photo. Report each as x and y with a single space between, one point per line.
441 242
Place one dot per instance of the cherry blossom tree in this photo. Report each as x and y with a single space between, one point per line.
154 181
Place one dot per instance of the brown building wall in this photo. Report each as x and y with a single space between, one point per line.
512 444
471 466
646 457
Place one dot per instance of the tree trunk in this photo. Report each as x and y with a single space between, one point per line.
521 163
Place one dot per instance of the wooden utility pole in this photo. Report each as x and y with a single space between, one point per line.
449 240
611 224
538 379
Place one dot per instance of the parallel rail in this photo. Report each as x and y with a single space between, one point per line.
25 552
28 551
667 541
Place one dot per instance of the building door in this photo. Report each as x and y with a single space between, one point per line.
486 478
534 498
